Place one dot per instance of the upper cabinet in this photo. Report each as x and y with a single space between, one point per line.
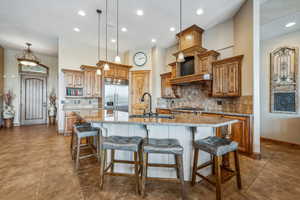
92 81
190 37
166 87
73 78
116 71
227 77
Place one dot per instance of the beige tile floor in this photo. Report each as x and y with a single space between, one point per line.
35 164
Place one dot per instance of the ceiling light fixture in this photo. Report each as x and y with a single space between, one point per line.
106 66
99 12
180 57
113 40
199 11
117 58
28 58
81 13
172 29
290 24
76 29
153 40
139 12
124 29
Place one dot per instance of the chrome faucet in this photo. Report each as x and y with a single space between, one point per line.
150 98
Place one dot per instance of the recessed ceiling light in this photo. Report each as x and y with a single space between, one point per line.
172 29
81 13
124 29
290 24
199 11
113 40
139 12
76 29
153 40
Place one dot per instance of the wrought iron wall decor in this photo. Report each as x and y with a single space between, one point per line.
284 74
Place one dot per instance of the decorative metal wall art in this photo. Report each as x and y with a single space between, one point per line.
284 74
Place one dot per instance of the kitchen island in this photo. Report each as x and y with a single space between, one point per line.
182 127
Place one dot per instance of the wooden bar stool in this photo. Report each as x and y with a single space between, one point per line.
81 132
121 143
217 147
76 125
163 146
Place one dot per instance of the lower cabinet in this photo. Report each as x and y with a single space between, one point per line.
70 119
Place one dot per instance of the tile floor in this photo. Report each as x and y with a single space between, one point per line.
35 164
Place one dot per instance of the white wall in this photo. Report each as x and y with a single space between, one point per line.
12 78
71 55
283 127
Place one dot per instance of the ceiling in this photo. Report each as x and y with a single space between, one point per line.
43 22
275 14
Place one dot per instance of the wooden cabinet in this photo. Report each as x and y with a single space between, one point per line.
163 111
73 78
139 85
190 37
92 82
166 87
240 131
116 71
205 62
227 77
70 119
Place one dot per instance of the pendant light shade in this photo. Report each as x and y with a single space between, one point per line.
98 71
28 58
180 56
106 65
117 58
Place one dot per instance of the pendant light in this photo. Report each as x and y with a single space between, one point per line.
99 12
117 58
180 57
106 66
28 58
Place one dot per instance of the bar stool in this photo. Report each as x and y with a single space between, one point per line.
85 131
76 125
121 143
163 146
216 147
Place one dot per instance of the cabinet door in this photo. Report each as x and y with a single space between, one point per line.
233 87
89 83
69 79
218 72
98 83
204 65
139 85
166 87
122 73
78 80
110 73
69 122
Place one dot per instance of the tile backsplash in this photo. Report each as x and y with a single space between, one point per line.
82 103
197 96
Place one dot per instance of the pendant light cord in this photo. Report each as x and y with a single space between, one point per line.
180 21
106 30
99 33
117 27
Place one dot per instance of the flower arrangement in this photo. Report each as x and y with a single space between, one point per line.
8 96
8 112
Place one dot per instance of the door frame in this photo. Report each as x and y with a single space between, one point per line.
37 75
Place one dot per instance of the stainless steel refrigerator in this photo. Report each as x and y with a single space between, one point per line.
116 94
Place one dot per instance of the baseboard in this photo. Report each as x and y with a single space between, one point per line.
256 156
263 139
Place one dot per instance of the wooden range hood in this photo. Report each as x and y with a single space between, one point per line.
191 46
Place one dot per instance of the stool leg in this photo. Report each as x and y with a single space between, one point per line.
180 166
71 144
136 171
102 166
78 153
213 167
97 147
196 153
218 178
112 160
144 175
237 169
177 168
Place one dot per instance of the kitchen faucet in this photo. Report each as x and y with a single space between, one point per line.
150 98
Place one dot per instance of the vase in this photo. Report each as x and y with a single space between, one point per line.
8 123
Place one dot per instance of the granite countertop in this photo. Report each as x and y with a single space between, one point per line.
119 117
233 113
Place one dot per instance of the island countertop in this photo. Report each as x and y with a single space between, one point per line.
119 117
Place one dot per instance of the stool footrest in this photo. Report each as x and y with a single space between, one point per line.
87 156
161 165
176 180
206 164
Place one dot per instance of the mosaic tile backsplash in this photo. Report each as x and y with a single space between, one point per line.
197 96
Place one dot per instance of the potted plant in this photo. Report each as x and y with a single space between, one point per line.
52 108
8 111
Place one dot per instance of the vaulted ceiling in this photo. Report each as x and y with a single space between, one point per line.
43 22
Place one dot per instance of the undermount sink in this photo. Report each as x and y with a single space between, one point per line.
153 115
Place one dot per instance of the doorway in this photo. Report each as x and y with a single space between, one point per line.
33 99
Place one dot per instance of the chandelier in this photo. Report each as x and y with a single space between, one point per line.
28 58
